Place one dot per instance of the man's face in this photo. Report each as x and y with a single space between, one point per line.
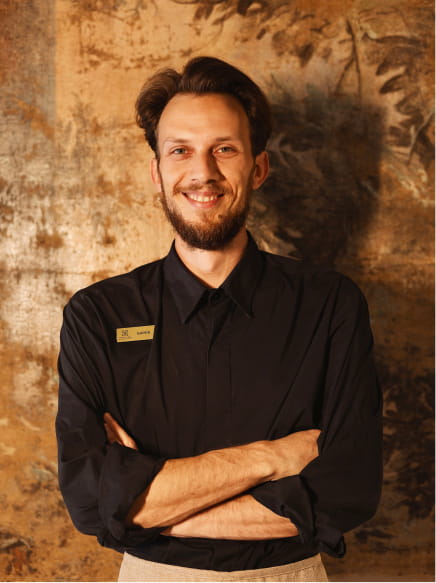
206 170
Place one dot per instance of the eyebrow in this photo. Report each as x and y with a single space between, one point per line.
171 140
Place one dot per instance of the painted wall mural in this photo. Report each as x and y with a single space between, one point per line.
352 154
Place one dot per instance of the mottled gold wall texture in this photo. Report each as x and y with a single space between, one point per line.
351 83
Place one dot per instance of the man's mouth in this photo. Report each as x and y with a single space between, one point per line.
203 196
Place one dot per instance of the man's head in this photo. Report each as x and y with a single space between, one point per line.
200 76
210 154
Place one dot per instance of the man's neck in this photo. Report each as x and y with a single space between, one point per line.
212 267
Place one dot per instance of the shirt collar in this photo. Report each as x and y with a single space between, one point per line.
240 285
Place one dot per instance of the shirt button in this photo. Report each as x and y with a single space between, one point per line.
216 296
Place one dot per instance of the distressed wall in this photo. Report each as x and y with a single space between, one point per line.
351 84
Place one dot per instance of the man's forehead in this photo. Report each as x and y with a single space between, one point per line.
186 113
182 98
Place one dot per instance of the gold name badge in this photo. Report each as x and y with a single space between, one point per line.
135 333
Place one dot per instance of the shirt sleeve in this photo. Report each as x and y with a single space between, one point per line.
341 488
98 481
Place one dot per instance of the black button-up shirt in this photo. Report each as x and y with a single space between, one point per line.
280 347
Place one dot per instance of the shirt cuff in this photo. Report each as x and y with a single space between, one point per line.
126 474
289 497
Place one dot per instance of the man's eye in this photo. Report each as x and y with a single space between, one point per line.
178 151
225 149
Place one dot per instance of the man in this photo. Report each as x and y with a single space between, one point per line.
219 416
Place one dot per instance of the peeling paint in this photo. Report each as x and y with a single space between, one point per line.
29 425
49 240
7 449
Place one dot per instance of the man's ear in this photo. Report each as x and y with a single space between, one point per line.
261 169
155 174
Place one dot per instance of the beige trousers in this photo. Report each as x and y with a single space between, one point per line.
134 569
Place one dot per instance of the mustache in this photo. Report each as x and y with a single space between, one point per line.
200 186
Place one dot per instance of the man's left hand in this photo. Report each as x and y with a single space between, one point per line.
116 434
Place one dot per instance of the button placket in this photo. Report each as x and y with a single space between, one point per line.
219 390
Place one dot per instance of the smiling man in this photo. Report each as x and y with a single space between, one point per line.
219 415
206 178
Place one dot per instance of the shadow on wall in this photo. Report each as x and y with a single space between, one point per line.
323 186
318 205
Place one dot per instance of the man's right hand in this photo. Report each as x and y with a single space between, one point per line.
290 454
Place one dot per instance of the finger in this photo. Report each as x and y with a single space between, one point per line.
116 433
110 435
113 425
129 442
107 417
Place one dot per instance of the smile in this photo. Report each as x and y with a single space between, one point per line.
202 197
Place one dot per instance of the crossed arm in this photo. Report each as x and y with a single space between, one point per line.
203 496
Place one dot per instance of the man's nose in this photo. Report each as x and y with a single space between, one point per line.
204 168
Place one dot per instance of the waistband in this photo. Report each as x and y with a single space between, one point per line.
136 569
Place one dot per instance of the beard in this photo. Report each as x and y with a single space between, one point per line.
208 235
